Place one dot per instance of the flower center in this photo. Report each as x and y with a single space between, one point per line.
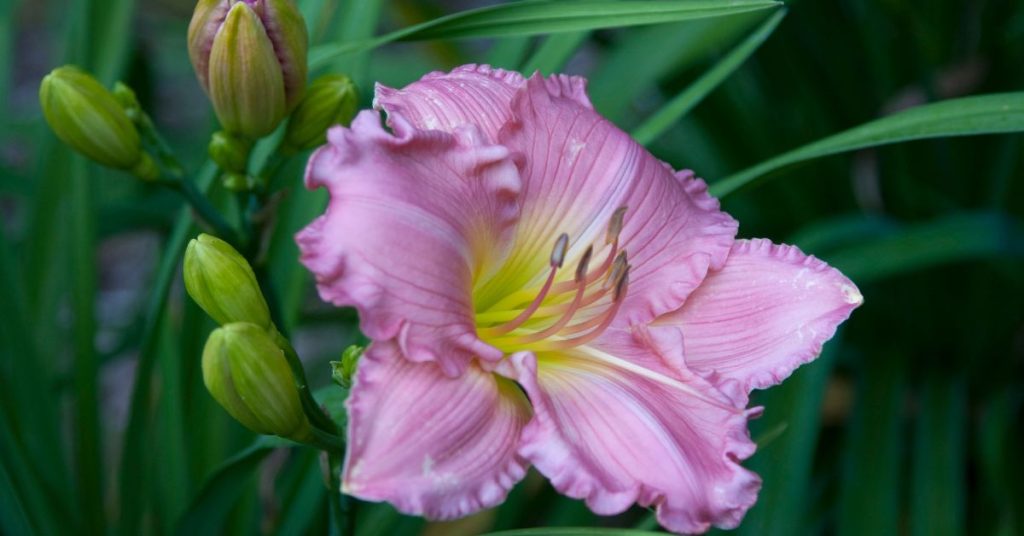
562 312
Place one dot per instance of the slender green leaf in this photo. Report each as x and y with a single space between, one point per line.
640 57
509 52
304 499
174 486
556 50
968 116
88 461
210 507
29 433
682 103
13 516
136 437
785 463
953 238
939 472
541 17
869 500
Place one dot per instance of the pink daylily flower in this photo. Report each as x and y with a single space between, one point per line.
540 290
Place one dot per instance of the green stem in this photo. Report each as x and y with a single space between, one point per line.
164 154
206 211
320 421
343 519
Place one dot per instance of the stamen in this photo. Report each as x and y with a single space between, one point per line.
618 268
615 225
619 290
581 288
608 317
558 253
557 258
581 268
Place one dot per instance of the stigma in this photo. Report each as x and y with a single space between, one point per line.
564 311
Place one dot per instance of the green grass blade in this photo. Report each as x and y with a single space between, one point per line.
305 498
135 446
211 506
542 17
785 463
174 486
13 517
554 53
508 52
950 239
968 116
939 469
88 460
869 501
682 103
640 58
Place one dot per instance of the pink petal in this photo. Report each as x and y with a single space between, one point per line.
472 94
577 169
615 435
412 217
766 312
431 445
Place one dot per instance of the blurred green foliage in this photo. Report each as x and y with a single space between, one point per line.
909 424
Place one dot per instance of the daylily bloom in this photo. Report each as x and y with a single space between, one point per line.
539 289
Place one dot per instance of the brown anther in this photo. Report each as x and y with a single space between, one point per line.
581 268
618 266
621 285
615 225
558 253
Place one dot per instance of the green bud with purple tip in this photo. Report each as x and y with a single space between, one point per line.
250 57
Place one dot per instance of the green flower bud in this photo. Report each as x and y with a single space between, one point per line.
87 117
330 100
343 371
250 57
249 376
229 152
238 182
221 281
129 102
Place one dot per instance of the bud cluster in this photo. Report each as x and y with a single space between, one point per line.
245 367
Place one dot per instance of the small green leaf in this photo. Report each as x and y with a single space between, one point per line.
953 238
556 50
968 116
211 506
869 501
542 17
939 460
676 108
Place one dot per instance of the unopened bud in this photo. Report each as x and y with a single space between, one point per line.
221 281
343 371
129 102
250 57
229 152
249 376
330 100
87 117
238 182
